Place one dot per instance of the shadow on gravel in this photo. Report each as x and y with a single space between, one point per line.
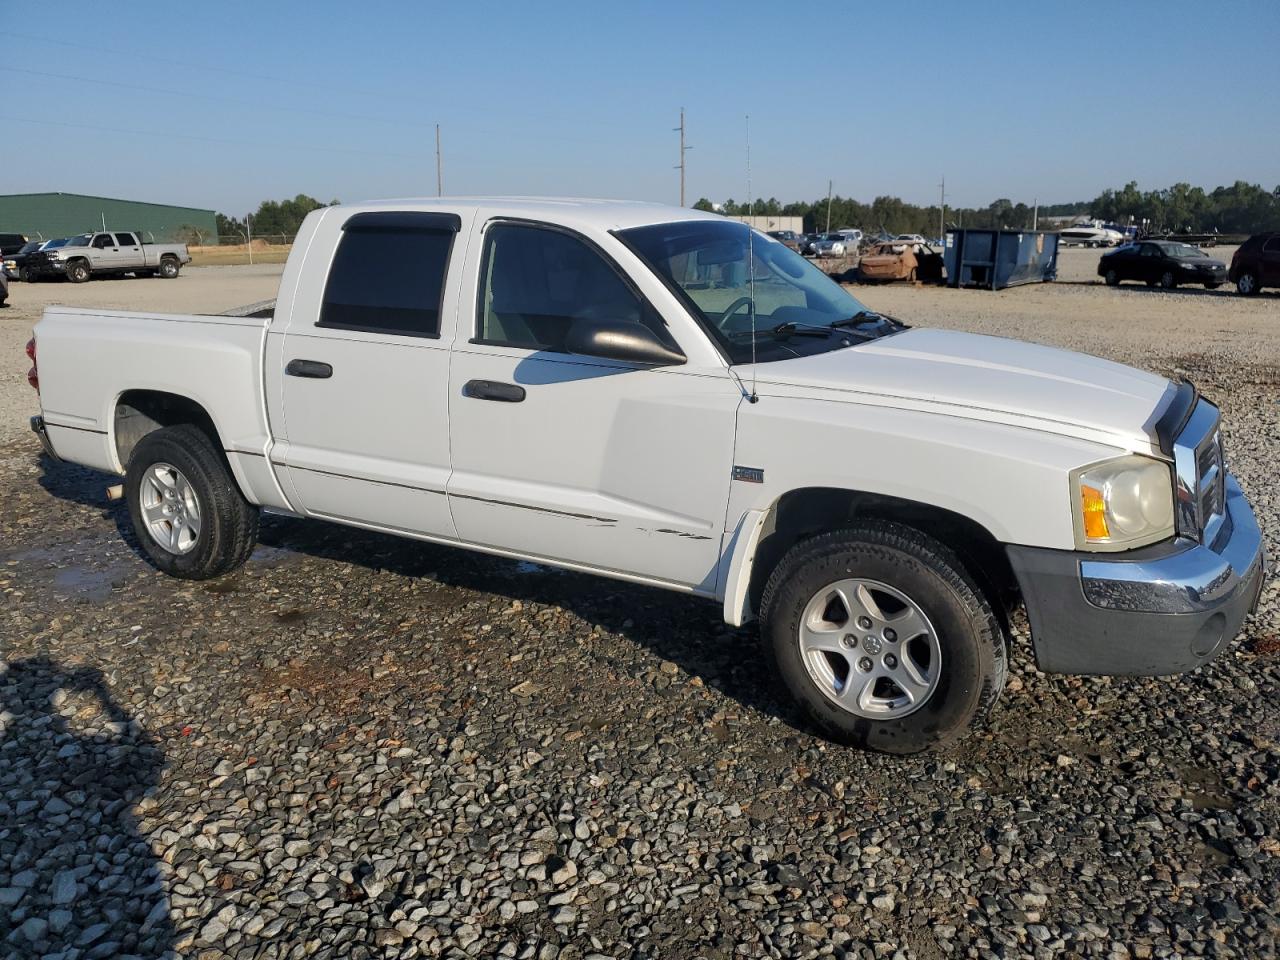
685 630
76 876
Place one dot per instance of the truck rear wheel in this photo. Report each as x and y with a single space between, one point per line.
78 271
169 268
188 514
883 638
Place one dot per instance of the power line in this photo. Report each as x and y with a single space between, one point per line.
263 144
204 96
188 64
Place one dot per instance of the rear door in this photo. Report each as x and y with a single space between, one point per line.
581 459
365 382
1271 262
129 250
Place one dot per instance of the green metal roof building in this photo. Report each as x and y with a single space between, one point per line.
49 215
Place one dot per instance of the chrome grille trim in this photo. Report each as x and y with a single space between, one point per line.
1200 470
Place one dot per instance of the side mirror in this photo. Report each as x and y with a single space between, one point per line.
620 340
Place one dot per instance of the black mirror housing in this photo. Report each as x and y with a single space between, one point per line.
620 340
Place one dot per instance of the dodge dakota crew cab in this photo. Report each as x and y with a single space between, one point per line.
106 253
670 398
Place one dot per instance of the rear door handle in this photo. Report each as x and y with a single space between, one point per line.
312 369
493 390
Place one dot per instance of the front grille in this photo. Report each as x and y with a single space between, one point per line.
1202 475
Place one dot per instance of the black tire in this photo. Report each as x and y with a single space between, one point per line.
1247 284
1112 278
972 642
1168 281
78 271
228 522
169 267
23 276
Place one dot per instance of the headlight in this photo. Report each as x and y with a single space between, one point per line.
1122 503
1189 266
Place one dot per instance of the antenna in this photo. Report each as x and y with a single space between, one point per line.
751 271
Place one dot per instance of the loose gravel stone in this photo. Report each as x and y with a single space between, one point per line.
322 755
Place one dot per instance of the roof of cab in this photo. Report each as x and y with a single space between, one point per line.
567 211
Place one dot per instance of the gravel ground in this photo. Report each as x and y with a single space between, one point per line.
364 747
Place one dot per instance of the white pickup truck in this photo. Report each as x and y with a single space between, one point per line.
668 397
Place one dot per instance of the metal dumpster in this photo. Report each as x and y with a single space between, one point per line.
995 259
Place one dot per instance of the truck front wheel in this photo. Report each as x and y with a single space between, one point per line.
188 514
78 271
169 268
883 638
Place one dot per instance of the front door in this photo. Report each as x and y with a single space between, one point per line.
365 375
106 253
578 459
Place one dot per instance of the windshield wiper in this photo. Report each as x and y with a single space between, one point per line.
869 317
787 329
805 329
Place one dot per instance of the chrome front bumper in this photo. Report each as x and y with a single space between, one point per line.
1192 578
1159 610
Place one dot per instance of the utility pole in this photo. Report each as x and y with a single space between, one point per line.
439 166
942 210
248 236
683 148
828 230
1035 214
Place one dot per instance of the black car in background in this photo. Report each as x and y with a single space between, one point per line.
1256 264
1162 263
11 243
14 264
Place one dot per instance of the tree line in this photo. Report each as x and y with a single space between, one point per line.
1240 208
892 214
275 220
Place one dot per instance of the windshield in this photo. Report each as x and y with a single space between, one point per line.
55 244
78 242
795 304
29 247
1182 250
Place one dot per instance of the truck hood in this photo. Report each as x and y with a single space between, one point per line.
987 378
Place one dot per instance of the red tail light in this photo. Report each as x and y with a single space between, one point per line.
33 377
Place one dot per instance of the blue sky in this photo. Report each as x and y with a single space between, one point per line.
225 104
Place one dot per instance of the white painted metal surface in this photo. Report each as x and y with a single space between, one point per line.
603 466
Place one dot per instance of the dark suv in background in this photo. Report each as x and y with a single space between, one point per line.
11 243
1256 263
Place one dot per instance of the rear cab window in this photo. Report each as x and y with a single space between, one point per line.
388 274
126 240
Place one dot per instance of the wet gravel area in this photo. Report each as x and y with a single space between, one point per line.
359 746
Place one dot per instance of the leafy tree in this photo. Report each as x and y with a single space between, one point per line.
705 205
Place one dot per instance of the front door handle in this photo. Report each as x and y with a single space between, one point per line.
311 369
493 390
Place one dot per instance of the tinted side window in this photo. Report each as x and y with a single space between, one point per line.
387 279
536 282
1272 245
102 241
126 240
